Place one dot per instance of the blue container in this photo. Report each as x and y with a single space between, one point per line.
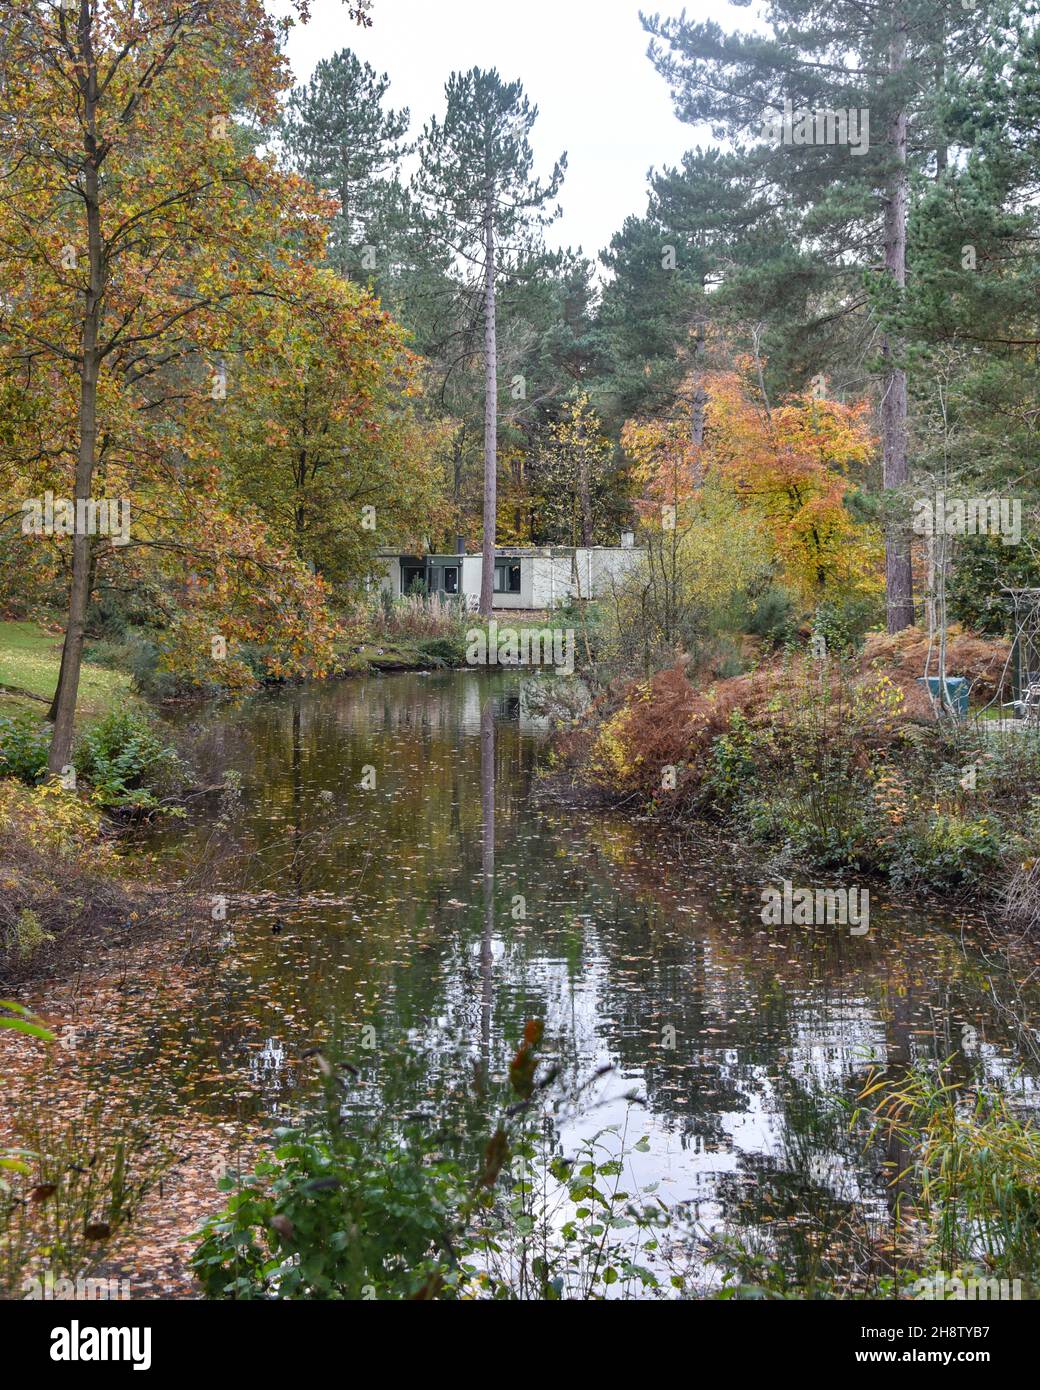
956 692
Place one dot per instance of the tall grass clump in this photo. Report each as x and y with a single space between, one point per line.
973 1178
424 615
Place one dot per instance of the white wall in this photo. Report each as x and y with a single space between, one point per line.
612 564
559 578
388 575
471 569
546 580
552 580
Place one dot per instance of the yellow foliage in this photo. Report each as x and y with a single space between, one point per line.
55 821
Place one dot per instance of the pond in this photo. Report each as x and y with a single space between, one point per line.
394 872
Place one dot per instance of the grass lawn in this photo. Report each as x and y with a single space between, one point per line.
29 661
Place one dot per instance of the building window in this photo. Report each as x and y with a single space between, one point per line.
451 579
507 577
413 579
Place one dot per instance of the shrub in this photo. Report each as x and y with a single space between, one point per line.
329 1216
59 867
24 744
139 654
1020 898
126 762
27 934
947 850
724 658
423 615
446 651
828 824
844 623
734 760
772 617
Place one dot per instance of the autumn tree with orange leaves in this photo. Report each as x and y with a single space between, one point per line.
136 222
793 467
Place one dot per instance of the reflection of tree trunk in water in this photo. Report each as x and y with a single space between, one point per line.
898 1155
487 864
297 801
456 796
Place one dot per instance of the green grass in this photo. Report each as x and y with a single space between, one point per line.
389 653
30 657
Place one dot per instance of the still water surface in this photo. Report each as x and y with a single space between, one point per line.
393 871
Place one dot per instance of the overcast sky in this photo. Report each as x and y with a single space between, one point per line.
583 62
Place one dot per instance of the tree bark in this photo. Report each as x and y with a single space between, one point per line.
584 488
898 572
698 399
79 594
487 578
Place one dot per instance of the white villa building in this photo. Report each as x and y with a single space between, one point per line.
526 577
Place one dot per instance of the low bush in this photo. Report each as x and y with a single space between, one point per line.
773 617
422 615
59 869
844 623
126 762
25 937
329 1216
945 850
445 651
24 744
138 652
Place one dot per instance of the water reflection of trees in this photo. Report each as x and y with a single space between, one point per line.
619 942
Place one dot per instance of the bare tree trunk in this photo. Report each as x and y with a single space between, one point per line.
487 578
52 713
698 398
584 489
487 868
79 594
898 573
344 198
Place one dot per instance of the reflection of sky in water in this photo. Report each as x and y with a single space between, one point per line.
391 922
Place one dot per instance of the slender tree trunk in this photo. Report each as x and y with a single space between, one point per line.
344 198
698 400
584 489
79 594
487 578
52 712
487 866
898 572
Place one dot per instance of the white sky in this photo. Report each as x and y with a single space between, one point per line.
582 62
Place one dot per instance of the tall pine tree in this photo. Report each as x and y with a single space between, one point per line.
479 194
844 207
338 133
